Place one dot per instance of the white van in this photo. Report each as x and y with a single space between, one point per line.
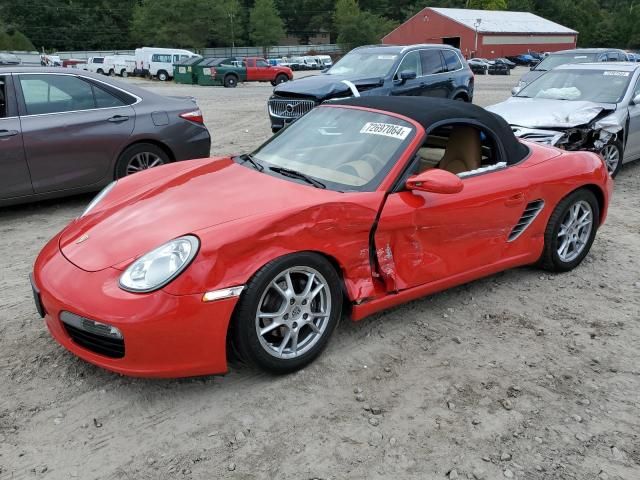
95 65
324 61
158 62
115 64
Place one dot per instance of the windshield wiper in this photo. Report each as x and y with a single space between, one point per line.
247 157
287 172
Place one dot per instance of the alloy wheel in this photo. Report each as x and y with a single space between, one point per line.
611 156
293 312
575 231
143 161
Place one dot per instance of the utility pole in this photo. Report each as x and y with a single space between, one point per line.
233 38
476 25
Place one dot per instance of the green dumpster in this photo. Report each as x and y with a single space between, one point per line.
183 71
205 71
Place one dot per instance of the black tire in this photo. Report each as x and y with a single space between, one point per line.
281 78
100 71
230 81
123 167
273 82
615 145
460 98
112 73
551 259
247 342
162 76
124 73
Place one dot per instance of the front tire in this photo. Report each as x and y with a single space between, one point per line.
281 78
138 157
163 76
124 73
570 232
287 312
613 154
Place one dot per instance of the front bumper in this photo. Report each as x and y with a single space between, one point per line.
164 335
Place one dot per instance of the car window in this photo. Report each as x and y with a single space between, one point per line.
451 60
636 91
612 57
55 93
598 85
98 60
431 62
261 63
458 148
3 98
346 149
163 58
411 63
105 99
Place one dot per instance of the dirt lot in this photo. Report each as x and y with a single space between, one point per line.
521 375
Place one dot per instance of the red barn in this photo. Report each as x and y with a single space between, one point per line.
484 33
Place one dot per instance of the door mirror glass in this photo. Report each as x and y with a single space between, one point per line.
435 181
515 90
636 99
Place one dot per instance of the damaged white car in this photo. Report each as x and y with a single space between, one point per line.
590 106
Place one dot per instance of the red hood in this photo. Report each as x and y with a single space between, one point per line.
150 208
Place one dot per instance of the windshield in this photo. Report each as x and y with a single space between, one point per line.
552 61
602 86
345 149
364 64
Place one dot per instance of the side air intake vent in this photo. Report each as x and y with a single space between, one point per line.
529 215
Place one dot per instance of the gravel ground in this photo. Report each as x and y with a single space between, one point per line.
520 375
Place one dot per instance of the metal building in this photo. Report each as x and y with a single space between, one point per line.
484 33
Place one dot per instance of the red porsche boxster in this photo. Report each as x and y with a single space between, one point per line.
360 205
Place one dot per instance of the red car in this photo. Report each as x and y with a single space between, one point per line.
360 205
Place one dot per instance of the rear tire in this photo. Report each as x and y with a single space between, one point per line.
124 73
282 322
230 81
100 71
163 76
138 157
570 232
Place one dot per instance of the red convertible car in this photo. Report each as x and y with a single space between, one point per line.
360 205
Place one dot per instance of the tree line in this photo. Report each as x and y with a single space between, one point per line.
195 24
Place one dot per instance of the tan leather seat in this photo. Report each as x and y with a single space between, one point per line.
463 152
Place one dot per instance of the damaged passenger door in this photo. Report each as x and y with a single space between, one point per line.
632 147
424 237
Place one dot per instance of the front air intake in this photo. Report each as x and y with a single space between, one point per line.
528 216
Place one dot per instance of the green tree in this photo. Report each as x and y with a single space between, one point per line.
356 27
487 4
12 39
265 25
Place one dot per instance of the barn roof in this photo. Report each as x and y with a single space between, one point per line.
497 21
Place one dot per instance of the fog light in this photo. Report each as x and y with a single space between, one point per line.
91 326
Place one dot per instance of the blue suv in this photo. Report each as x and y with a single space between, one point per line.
416 70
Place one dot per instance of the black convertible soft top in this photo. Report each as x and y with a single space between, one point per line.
431 111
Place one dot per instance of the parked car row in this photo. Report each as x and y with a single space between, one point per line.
367 158
497 66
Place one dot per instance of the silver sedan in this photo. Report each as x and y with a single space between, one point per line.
588 106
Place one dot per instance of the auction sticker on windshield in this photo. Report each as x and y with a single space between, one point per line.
386 129
616 73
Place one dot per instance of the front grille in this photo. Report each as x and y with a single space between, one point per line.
290 107
95 336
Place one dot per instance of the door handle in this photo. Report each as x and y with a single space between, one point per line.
8 133
118 118
515 200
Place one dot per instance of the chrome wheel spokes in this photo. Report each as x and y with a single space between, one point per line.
575 231
293 312
143 161
611 156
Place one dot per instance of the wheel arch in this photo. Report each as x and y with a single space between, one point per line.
599 194
461 94
164 147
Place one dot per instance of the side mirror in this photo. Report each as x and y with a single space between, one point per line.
636 100
406 75
435 181
515 90
533 67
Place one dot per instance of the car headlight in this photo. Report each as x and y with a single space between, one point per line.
158 267
98 198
